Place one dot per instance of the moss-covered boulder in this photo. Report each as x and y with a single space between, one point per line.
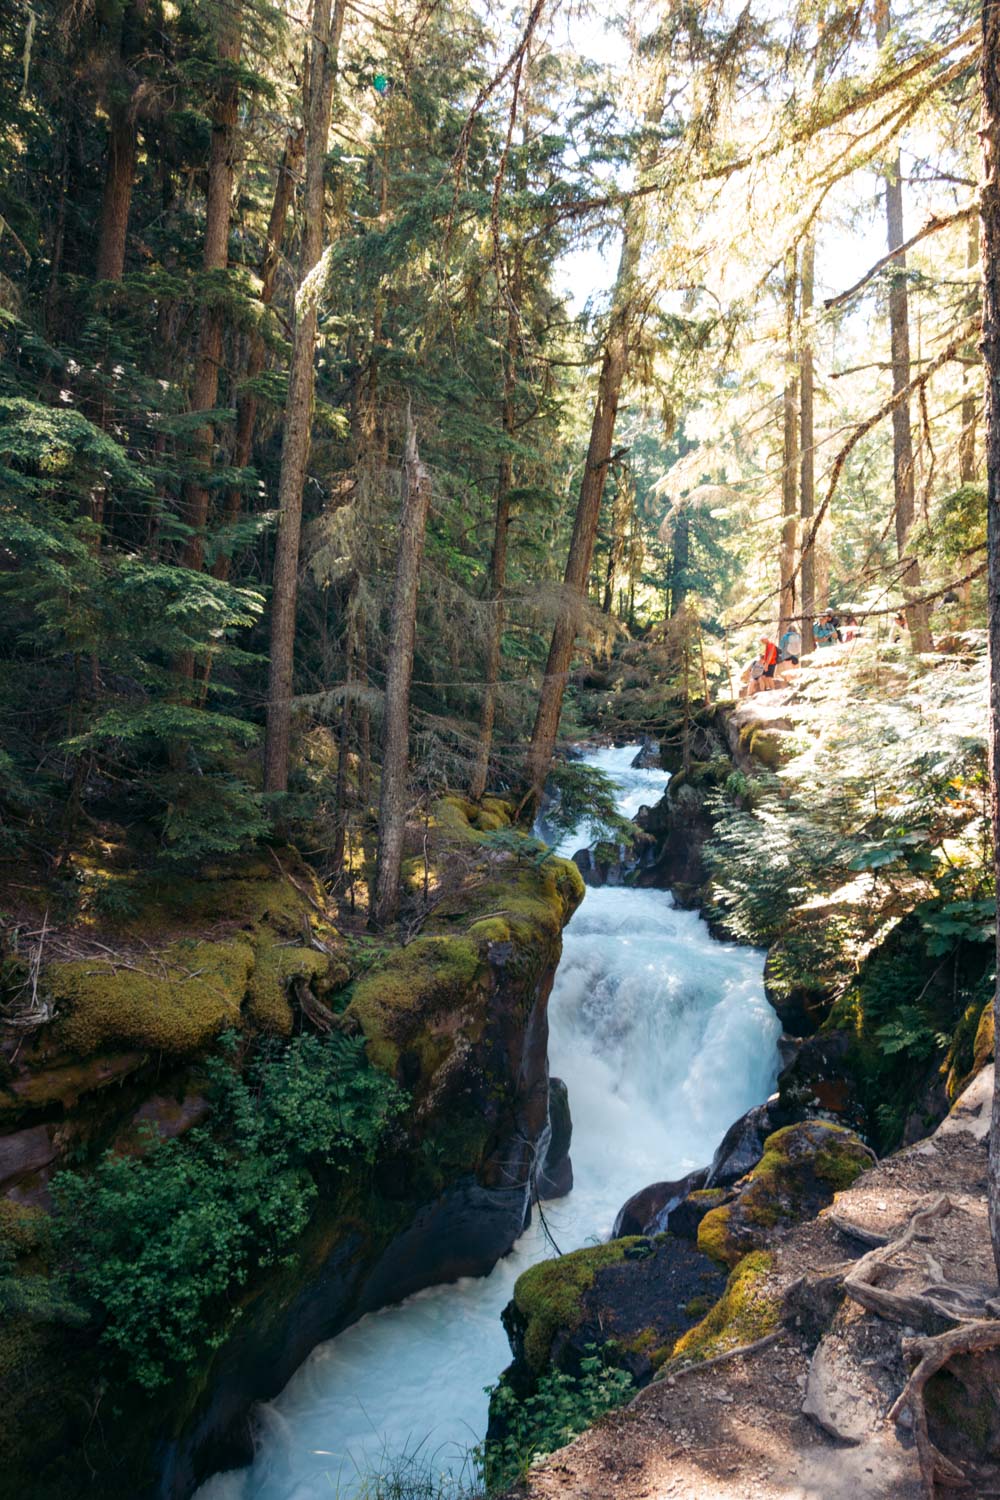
803 1166
631 1298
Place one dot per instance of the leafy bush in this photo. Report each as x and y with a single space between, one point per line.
157 1245
562 1406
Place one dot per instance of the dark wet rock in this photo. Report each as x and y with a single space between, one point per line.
632 1298
162 1117
25 1153
555 1179
742 1146
818 1082
599 867
648 758
685 1219
648 1211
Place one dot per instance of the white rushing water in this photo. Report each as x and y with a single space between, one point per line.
664 1038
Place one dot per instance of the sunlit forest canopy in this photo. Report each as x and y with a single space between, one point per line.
635 337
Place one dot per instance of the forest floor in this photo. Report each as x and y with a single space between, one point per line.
799 1420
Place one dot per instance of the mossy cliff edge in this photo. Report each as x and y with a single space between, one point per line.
248 958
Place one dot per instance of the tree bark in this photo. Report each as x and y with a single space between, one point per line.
917 617
621 511
967 438
680 559
613 368
399 674
990 208
807 428
215 257
790 452
246 406
498 556
626 312
299 404
119 176
116 199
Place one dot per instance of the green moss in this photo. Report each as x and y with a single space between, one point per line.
697 1307
707 1197
802 1167
175 1002
401 1003
746 1311
713 1237
268 1005
23 1231
983 1046
549 1296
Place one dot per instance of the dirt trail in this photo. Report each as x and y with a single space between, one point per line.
737 1430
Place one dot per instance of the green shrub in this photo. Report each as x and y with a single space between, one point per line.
157 1245
562 1406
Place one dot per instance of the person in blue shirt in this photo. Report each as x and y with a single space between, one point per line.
824 630
790 646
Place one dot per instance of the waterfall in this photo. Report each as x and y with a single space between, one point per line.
664 1037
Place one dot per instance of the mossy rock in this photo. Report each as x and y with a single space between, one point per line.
983 1046
548 1298
175 1002
269 1006
971 1048
631 1298
803 1166
421 1000
749 1309
963 1407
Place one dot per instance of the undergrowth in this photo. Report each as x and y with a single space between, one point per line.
156 1246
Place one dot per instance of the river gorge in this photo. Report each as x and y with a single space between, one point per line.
664 1037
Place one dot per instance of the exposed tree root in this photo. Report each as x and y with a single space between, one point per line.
933 1353
937 1299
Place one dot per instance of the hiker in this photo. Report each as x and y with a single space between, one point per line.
760 676
790 646
824 630
899 627
851 629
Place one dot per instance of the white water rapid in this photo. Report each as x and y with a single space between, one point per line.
664 1038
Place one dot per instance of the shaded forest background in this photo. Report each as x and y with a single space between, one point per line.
283 285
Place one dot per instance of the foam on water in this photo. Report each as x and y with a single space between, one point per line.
664 1038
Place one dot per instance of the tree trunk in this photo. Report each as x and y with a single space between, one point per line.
246 406
581 549
625 312
807 388
498 557
116 199
364 718
790 453
680 561
399 673
990 206
299 405
621 511
902 437
967 438
215 257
